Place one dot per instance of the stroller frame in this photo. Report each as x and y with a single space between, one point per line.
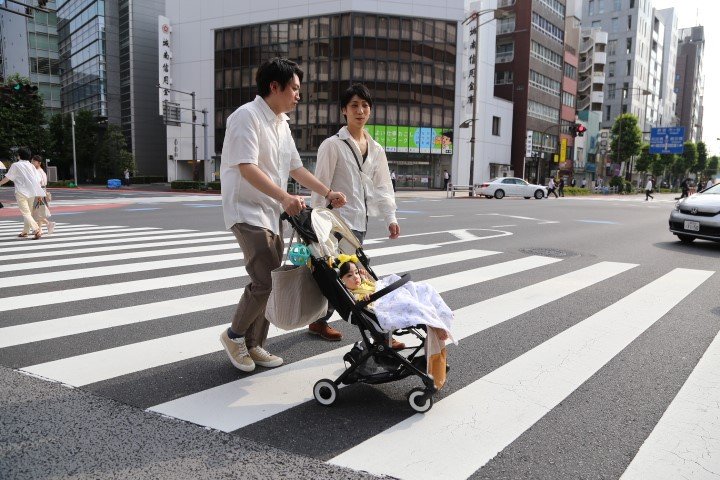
375 351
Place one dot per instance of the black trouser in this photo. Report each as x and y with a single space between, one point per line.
552 190
647 194
560 191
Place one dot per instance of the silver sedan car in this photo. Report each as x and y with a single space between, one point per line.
697 216
511 187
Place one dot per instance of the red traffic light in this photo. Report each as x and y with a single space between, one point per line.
580 129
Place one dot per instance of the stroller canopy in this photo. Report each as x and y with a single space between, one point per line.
333 234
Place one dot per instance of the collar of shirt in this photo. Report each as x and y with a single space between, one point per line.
268 113
344 134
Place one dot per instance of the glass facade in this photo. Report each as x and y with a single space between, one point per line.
407 63
43 57
81 27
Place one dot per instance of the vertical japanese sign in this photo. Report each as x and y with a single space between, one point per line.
529 143
563 150
164 60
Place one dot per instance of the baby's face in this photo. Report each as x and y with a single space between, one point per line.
352 278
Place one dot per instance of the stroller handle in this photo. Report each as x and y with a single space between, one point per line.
384 291
286 217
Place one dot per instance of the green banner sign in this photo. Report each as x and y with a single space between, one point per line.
406 139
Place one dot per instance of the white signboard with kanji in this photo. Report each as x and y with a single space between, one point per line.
164 60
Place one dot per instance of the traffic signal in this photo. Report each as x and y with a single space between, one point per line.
573 129
580 129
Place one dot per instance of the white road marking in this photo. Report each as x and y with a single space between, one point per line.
50 242
469 427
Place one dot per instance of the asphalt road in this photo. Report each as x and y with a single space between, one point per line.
578 319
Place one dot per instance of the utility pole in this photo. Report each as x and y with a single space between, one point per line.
72 121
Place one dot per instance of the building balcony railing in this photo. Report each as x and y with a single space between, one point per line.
504 57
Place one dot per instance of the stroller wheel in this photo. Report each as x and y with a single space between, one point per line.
325 392
420 400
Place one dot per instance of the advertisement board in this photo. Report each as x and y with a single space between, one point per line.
406 139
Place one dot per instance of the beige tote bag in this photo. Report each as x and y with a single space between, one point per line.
295 300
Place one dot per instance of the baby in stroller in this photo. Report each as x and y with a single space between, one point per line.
436 315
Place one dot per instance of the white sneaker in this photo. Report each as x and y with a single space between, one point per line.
238 352
261 357
50 227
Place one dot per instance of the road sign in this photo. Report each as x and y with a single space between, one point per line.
667 140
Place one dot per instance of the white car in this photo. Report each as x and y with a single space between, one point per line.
512 187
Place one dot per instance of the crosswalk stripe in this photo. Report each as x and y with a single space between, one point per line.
93 233
469 427
125 268
114 248
49 242
59 262
102 365
114 241
76 229
685 442
245 401
59 327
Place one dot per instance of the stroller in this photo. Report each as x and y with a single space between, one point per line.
370 360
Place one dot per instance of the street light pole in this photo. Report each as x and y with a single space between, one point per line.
72 122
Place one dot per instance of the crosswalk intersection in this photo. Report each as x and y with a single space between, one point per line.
135 314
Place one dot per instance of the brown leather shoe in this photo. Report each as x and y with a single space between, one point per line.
396 345
325 331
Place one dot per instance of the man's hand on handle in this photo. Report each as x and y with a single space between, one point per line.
337 199
293 204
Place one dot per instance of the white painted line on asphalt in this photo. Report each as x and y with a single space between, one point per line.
440 216
102 365
503 226
469 427
60 327
94 232
248 400
81 261
160 236
115 248
685 443
50 242
65 275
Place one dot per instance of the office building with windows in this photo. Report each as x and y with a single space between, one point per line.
411 57
29 47
533 81
591 70
108 65
689 81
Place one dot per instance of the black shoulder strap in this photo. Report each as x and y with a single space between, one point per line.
353 152
360 170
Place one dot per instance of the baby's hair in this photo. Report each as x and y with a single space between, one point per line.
345 268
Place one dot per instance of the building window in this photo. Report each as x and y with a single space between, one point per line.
611 91
555 6
568 99
611 69
503 78
548 28
596 24
504 52
496 126
611 46
607 113
617 5
628 45
570 71
591 7
601 6
629 22
629 67
543 112
545 55
546 84
614 25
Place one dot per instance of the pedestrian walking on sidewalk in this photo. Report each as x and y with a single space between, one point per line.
126 175
27 187
446 179
258 156
353 162
649 189
41 206
561 187
684 188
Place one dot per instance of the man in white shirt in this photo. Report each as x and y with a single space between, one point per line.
709 183
258 155
27 187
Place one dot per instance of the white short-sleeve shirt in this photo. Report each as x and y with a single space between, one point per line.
254 134
26 182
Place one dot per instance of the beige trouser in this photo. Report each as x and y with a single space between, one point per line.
263 252
25 204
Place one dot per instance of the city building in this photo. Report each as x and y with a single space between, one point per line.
591 70
411 56
108 65
563 163
29 47
631 31
689 81
532 80
668 98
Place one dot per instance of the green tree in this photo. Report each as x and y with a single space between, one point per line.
22 117
625 138
60 144
113 156
662 163
645 160
86 143
688 159
712 167
702 158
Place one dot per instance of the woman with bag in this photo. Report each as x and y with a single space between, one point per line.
351 161
41 208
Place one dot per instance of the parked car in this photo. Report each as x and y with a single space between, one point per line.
697 216
512 187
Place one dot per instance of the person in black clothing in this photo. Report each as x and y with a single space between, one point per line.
561 187
685 188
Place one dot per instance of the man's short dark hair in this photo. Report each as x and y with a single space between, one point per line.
24 153
36 158
356 89
276 69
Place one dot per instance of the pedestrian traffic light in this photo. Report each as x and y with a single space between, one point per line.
580 129
573 129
